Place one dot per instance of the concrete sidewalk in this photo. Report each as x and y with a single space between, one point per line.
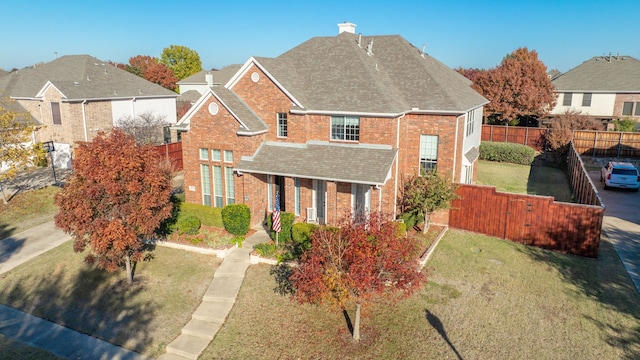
24 246
625 238
216 303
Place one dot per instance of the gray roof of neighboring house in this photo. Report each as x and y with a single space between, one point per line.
335 74
617 74
80 77
323 161
22 115
190 96
220 77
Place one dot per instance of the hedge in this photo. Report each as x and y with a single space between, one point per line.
507 152
286 222
236 218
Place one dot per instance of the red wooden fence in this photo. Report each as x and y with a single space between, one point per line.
528 219
173 152
534 137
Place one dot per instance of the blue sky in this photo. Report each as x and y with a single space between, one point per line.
459 33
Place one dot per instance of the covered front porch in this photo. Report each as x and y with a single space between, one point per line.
320 182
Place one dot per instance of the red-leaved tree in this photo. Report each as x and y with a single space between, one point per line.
356 261
518 87
119 194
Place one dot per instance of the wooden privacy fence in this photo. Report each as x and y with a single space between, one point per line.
584 191
528 219
533 137
173 152
607 143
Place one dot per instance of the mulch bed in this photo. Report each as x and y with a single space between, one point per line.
205 232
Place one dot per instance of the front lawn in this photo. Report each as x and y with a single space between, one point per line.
144 317
485 299
26 210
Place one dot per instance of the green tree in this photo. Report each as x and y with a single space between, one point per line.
516 88
16 150
118 195
624 125
183 61
353 263
423 195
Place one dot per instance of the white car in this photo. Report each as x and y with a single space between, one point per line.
621 175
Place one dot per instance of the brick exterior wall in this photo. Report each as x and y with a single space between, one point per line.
619 102
266 100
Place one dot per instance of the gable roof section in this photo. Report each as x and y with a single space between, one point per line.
80 77
250 123
612 74
220 77
362 164
336 74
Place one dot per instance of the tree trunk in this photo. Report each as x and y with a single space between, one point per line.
4 197
356 324
427 223
128 269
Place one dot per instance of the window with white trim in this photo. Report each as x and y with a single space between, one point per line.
55 113
360 200
470 118
215 155
228 156
468 174
345 128
282 125
217 186
567 99
296 184
627 108
229 185
428 152
204 154
586 99
205 180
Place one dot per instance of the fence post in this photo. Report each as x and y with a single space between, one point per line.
619 144
595 143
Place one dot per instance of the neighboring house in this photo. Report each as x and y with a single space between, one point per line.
605 87
201 81
333 125
75 96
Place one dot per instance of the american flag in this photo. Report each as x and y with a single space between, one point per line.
275 217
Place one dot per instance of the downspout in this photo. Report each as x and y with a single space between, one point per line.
84 121
395 190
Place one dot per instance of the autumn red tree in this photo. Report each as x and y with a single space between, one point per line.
518 87
151 69
356 261
119 194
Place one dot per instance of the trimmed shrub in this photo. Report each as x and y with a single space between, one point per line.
507 152
286 222
410 220
236 218
301 234
188 224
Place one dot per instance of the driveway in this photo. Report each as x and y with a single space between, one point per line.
621 224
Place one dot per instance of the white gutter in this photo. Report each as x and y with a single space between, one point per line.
84 121
455 150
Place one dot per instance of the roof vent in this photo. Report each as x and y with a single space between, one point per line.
424 46
347 27
76 83
370 47
209 78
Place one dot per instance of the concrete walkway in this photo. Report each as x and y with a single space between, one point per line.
216 303
625 237
28 244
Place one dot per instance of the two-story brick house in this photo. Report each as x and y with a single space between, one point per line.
605 87
332 125
75 96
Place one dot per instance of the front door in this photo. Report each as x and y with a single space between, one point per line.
279 187
320 200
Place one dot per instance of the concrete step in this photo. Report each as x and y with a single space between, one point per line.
213 311
188 346
201 328
223 288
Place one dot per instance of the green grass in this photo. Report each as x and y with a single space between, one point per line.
524 179
26 210
144 317
485 299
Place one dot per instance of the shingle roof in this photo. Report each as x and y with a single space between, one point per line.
616 74
336 74
252 122
362 164
220 77
80 77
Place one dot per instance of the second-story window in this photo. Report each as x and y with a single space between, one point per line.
586 99
345 128
567 99
627 108
282 124
55 113
428 152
